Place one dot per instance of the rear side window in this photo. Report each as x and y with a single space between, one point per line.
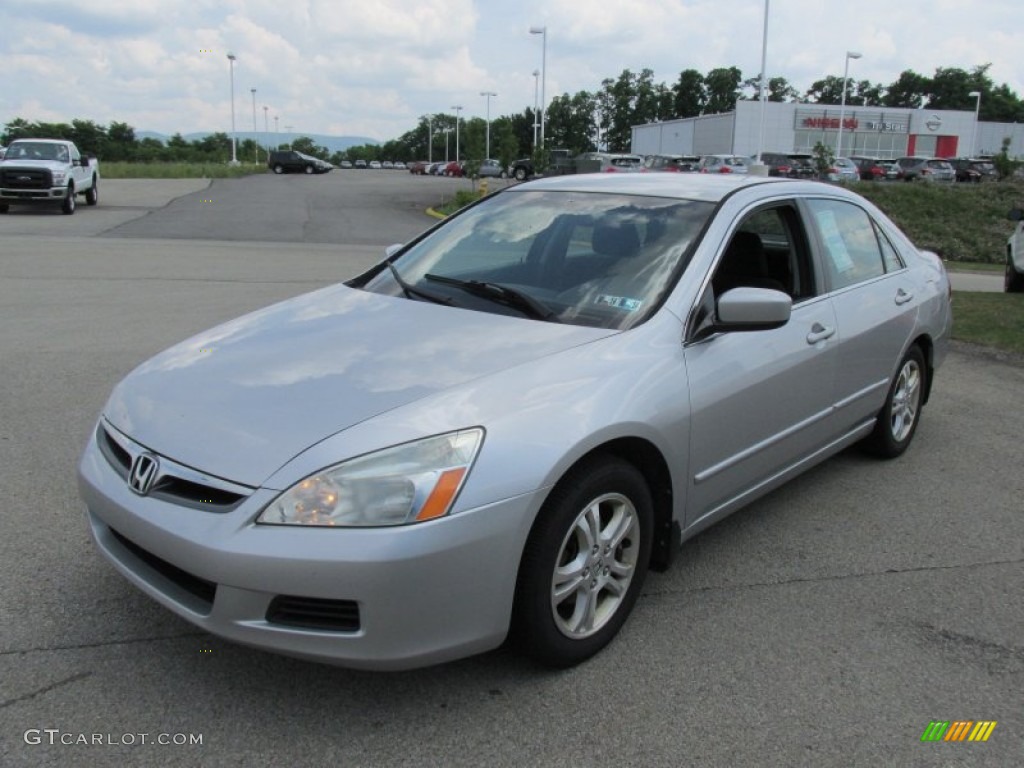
852 253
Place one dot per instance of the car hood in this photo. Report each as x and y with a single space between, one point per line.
24 162
240 400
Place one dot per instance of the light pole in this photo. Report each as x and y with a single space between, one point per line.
266 128
842 101
277 140
430 139
255 140
764 90
543 32
231 66
457 108
446 132
488 94
536 125
974 128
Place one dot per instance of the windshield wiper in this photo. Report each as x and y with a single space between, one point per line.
411 291
501 294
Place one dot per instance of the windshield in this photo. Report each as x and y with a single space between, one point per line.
600 260
36 150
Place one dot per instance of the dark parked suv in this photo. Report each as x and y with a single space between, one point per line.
290 161
794 165
974 169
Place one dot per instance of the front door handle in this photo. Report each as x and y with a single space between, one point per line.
902 297
819 333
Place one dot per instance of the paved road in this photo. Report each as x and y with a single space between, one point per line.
825 625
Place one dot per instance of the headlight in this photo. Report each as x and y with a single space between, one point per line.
59 177
405 484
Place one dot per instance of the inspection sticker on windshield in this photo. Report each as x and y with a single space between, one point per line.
619 302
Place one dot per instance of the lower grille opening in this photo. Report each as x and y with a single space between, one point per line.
199 588
314 613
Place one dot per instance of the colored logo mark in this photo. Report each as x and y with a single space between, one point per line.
958 730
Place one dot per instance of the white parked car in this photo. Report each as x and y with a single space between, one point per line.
1014 282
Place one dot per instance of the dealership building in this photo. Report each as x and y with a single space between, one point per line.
874 131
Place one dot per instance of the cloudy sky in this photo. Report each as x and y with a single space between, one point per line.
373 67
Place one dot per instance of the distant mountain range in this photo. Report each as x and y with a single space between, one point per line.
333 143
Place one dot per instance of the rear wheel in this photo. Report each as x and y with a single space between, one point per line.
92 195
1014 280
584 562
68 206
309 169
898 419
279 168
520 174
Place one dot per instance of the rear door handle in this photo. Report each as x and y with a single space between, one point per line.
902 297
819 333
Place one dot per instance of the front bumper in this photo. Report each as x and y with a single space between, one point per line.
51 195
380 598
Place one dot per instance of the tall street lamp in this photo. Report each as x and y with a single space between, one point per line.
764 89
543 32
231 65
974 128
488 94
254 130
430 139
457 108
536 125
842 101
446 132
266 128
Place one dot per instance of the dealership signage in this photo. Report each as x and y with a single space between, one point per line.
861 122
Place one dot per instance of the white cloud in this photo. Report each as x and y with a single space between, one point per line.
355 67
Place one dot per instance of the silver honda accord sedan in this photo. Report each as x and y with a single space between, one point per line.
496 431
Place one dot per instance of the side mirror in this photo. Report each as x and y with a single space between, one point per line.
752 309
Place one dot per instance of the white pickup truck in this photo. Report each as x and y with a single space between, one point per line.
53 171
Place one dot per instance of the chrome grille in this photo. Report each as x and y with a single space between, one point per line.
25 178
174 482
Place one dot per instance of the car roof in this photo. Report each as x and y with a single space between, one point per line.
709 188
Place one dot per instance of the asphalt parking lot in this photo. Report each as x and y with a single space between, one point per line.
825 625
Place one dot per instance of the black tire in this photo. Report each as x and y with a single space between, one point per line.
897 421
603 495
4 207
70 203
92 195
279 169
309 169
520 174
504 174
1014 280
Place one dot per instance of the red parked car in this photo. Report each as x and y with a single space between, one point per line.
454 168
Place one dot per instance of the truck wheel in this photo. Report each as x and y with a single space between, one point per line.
68 206
1014 281
520 174
92 195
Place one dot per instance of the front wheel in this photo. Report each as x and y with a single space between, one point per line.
520 174
1014 280
309 169
504 174
584 562
68 206
92 195
279 169
898 419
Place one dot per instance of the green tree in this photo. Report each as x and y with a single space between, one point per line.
723 89
909 90
689 94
